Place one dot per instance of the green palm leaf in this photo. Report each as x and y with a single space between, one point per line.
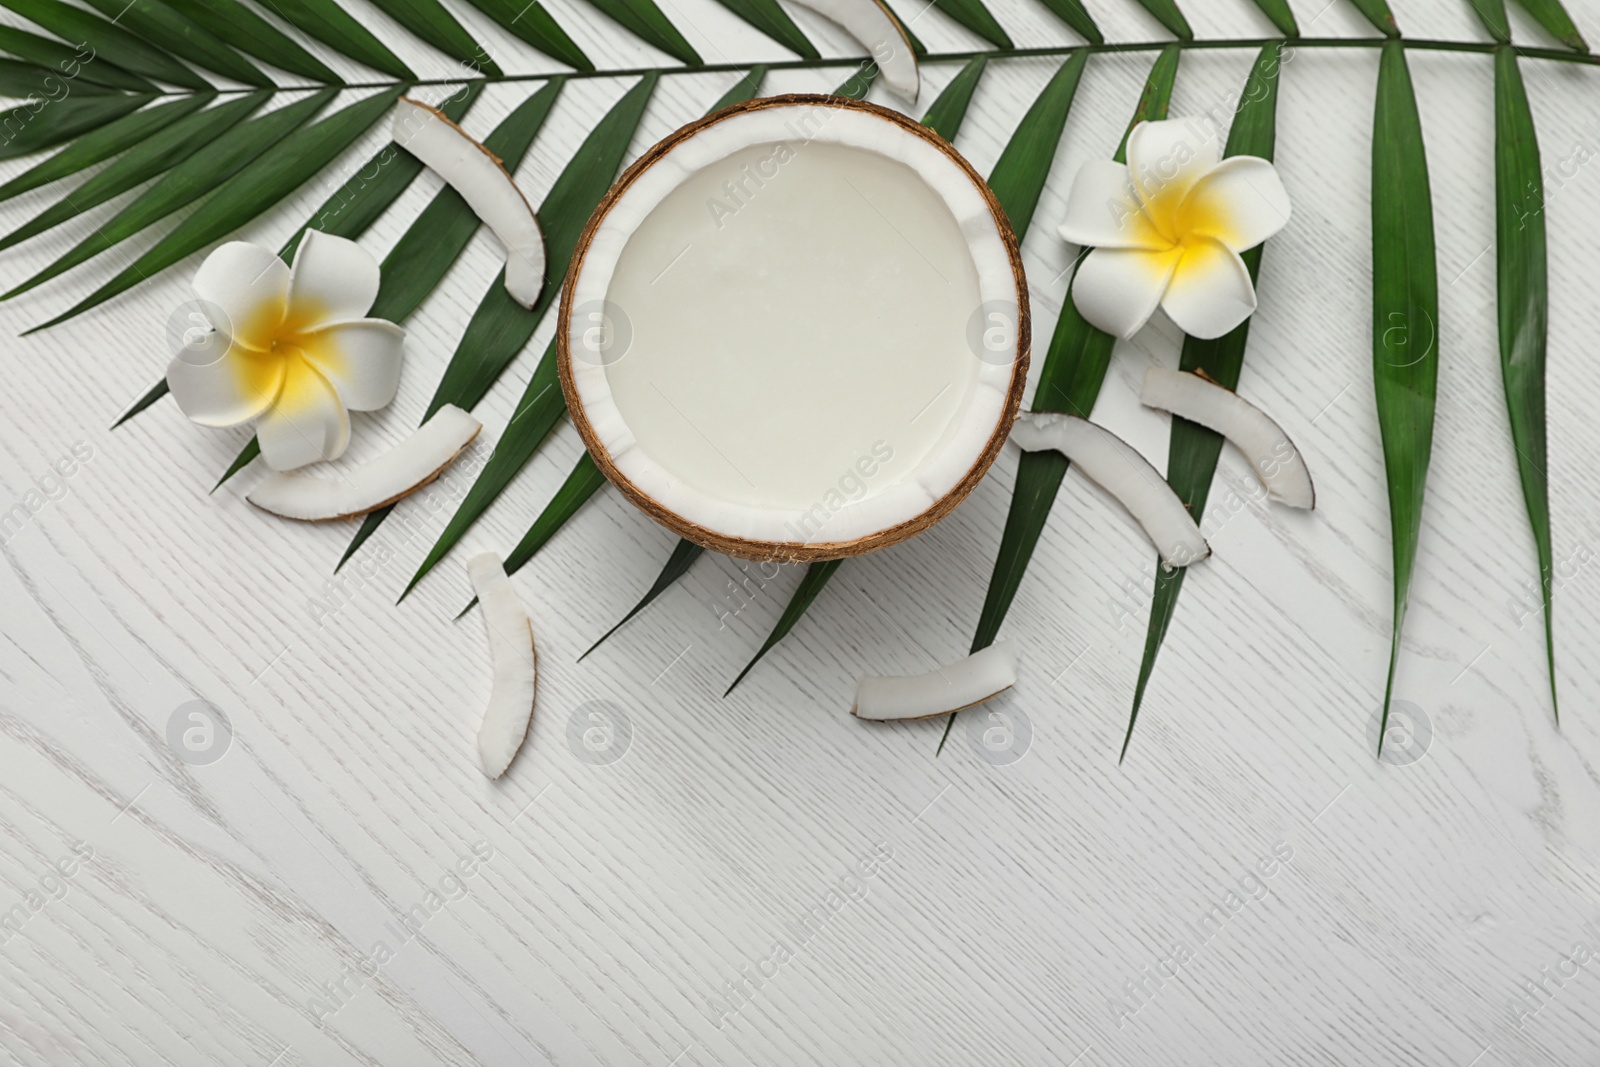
432 23
1523 301
746 88
239 26
1492 13
1405 317
108 40
645 20
1166 12
684 553
580 485
101 144
1377 12
1193 450
859 83
1074 369
533 24
1074 14
246 195
329 23
772 20
73 62
156 155
1557 23
817 575
950 107
977 18
30 128
501 327
179 35
1024 165
24 81
1282 17
191 179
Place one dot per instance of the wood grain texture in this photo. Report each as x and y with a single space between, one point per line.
1020 912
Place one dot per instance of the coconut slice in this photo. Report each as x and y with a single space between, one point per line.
1117 467
516 665
796 330
874 26
399 472
982 675
477 174
1252 431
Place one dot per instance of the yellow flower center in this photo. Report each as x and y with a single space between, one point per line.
296 354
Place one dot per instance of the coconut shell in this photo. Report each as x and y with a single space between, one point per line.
794 551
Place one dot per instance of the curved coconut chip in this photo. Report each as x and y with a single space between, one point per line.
398 473
1252 431
981 676
516 665
478 175
874 26
1118 468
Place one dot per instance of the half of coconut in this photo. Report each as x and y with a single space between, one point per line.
796 329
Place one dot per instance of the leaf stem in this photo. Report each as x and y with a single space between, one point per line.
997 54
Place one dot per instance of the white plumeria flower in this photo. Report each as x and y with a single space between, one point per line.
291 348
1167 230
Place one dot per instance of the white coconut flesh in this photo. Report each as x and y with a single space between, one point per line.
474 172
985 674
876 30
797 326
1119 469
516 665
397 473
1252 431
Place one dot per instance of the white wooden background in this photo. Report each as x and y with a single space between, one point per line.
1019 912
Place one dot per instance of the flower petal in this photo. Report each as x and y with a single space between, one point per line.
1210 292
1166 158
247 287
1103 210
1241 203
226 389
361 359
334 280
307 424
1118 289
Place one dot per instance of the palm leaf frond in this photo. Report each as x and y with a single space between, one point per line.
108 41
430 22
245 195
99 145
80 63
326 21
177 35
159 153
1405 322
1552 15
41 124
240 26
684 553
1523 302
816 578
534 25
949 109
